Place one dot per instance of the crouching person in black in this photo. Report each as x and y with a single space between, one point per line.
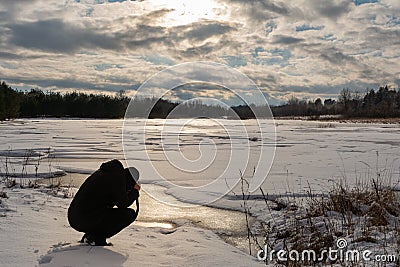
92 210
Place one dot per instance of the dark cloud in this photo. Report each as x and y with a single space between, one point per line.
199 51
58 36
144 34
263 5
382 36
146 43
7 55
141 32
4 14
279 7
10 55
74 84
201 31
197 35
331 9
268 80
206 50
366 74
286 40
335 56
147 37
256 11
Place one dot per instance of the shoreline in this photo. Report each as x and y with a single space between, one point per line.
323 118
343 120
154 226
234 236
39 216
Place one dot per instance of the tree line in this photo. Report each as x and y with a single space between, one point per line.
382 103
36 103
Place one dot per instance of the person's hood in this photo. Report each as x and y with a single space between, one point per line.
132 173
112 166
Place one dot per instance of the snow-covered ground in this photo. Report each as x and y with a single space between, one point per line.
34 231
308 156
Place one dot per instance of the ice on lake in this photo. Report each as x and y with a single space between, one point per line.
309 155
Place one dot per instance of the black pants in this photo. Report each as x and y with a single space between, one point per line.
106 223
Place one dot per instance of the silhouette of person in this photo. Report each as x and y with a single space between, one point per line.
93 211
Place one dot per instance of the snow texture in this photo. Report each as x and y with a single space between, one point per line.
309 156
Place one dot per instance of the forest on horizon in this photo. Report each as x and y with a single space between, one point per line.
381 103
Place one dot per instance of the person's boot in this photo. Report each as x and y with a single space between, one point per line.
83 238
95 241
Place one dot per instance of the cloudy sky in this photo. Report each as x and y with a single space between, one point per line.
310 48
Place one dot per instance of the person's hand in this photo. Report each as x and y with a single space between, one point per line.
137 186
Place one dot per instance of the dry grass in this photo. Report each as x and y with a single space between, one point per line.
54 187
377 205
362 214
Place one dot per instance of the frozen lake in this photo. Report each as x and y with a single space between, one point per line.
308 154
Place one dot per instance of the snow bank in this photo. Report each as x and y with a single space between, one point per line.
18 170
34 230
138 246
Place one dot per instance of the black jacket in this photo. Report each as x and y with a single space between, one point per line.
107 187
